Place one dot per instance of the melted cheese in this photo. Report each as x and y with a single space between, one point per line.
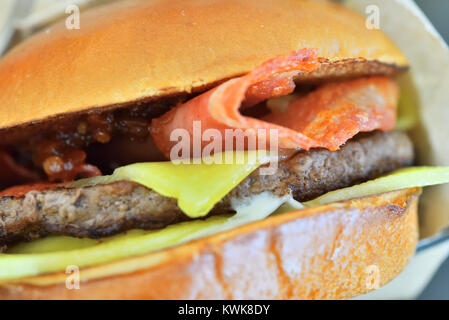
197 187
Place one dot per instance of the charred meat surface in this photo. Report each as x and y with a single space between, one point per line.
108 209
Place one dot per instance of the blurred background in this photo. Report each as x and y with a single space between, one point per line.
20 18
438 12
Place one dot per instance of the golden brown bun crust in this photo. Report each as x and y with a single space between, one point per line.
329 252
138 50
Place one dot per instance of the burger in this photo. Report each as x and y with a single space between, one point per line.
113 138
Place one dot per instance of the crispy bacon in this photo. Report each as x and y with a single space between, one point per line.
336 112
12 172
70 166
327 117
22 190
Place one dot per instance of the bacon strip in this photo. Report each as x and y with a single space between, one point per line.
327 117
336 112
12 172
70 166
22 190
218 108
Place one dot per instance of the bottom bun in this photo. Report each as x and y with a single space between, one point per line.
333 251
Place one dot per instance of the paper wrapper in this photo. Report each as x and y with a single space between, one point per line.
425 90
40 13
425 93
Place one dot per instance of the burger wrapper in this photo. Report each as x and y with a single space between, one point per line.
425 96
425 91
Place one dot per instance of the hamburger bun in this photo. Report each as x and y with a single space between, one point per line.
143 50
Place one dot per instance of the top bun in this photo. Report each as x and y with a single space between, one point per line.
141 50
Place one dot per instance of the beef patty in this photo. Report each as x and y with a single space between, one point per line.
103 210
